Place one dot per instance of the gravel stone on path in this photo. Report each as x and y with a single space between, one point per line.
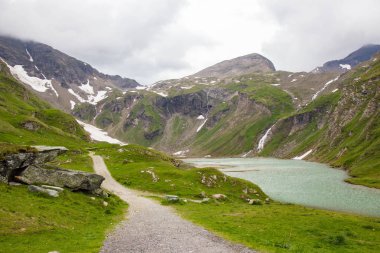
151 227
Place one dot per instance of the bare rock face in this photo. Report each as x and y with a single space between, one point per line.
29 168
13 164
75 180
238 66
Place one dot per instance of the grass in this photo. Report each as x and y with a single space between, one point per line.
273 227
73 222
20 108
74 160
8 148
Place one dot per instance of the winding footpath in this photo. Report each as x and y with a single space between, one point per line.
151 227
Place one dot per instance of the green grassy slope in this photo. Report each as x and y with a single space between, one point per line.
73 222
25 119
273 227
344 128
29 222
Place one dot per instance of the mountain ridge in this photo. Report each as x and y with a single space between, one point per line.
237 66
57 77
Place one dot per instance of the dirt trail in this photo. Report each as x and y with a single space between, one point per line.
151 227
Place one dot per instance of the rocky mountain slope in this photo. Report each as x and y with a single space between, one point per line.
341 127
56 77
261 113
362 54
208 115
228 109
238 66
26 119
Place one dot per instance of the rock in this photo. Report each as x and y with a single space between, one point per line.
205 200
172 198
255 202
34 188
105 203
219 196
100 192
14 184
55 188
12 164
31 125
75 180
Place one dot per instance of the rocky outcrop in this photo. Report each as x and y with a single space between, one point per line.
29 168
75 180
12 164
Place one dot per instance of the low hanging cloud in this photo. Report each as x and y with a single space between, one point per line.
312 32
111 35
151 40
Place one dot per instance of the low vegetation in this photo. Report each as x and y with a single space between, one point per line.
273 227
73 222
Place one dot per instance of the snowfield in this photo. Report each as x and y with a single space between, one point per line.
303 156
86 87
98 134
324 87
345 66
37 84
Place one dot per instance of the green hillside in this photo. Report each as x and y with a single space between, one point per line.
26 119
342 128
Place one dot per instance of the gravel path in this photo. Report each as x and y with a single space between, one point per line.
151 227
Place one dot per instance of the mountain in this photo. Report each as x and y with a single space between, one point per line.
26 119
56 77
276 113
341 127
361 55
238 66
206 115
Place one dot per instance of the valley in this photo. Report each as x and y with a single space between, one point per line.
242 108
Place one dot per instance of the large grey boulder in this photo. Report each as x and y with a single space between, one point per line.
75 180
12 164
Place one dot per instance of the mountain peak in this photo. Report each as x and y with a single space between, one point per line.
238 66
360 55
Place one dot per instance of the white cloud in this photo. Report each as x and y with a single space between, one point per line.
151 40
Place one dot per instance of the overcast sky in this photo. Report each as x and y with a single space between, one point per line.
150 40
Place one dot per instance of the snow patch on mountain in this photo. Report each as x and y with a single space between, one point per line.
98 134
161 94
303 156
37 84
345 66
324 87
30 57
72 92
181 153
102 94
86 87
201 126
72 103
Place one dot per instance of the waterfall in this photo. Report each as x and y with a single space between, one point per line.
264 138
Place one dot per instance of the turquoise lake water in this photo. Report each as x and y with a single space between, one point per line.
300 182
